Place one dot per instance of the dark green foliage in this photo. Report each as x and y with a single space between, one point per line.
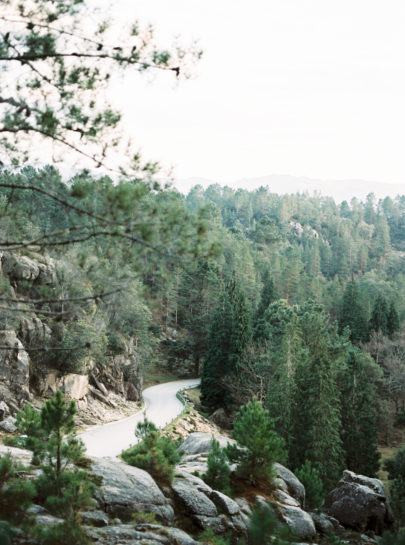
317 419
29 424
230 332
359 381
352 314
393 324
258 445
216 366
264 528
16 496
396 473
309 476
379 317
66 533
268 296
390 538
63 489
156 453
218 470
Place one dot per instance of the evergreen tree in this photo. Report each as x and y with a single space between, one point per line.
360 409
310 478
230 332
268 295
258 445
213 391
241 322
218 470
156 453
393 324
317 420
16 496
352 314
379 317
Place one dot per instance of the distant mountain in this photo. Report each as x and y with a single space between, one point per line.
338 189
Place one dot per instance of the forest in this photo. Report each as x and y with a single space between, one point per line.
293 300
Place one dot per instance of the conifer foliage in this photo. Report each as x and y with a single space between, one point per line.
258 445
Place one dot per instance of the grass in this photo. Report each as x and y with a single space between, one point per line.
193 395
156 375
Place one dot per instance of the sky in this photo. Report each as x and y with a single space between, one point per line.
311 88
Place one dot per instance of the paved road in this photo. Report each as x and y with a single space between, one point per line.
161 406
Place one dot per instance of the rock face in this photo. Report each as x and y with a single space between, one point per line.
21 267
299 522
206 507
200 443
126 490
294 487
360 503
74 386
14 369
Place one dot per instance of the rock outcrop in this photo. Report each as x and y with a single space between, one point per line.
360 503
14 371
207 508
126 489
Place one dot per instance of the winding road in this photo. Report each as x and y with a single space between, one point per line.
161 408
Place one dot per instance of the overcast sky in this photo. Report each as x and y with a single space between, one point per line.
303 87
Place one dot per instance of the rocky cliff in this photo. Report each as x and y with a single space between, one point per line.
35 340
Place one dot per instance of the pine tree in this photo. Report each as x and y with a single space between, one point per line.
317 420
218 470
310 478
393 324
213 391
379 317
241 323
258 445
359 412
268 295
352 314
230 332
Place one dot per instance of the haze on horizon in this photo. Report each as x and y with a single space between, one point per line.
312 89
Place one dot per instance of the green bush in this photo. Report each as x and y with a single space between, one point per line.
310 478
264 528
156 453
218 470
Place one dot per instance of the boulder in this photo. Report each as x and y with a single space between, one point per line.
299 522
20 267
14 368
207 508
200 443
127 489
94 518
20 455
225 504
193 500
33 331
295 488
8 424
74 386
359 503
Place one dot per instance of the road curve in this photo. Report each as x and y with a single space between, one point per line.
161 407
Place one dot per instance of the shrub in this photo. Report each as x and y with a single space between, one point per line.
310 478
218 470
156 453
